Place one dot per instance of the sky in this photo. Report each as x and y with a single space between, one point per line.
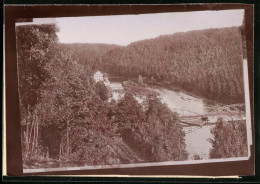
124 29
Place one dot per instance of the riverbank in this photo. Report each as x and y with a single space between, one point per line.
164 84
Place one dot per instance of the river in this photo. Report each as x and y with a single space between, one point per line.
196 138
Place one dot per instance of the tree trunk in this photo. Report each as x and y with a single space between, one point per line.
47 154
30 135
60 150
37 133
67 141
34 134
26 137
33 138
27 133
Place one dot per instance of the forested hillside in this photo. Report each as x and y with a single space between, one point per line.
86 53
205 62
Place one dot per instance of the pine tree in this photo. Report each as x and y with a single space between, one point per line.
229 140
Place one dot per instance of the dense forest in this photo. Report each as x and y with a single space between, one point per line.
204 62
66 117
89 55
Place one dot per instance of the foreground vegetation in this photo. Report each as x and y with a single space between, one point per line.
229 139
66 117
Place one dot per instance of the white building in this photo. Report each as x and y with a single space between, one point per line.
98 76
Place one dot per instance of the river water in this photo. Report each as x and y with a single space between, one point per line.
196 138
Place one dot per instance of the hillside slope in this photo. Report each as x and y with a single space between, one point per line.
205 62
87 54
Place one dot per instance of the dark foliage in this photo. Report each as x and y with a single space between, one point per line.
229 139
36 46
71 102
153 130
164 132
102 90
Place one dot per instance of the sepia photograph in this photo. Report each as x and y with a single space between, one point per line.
133 90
